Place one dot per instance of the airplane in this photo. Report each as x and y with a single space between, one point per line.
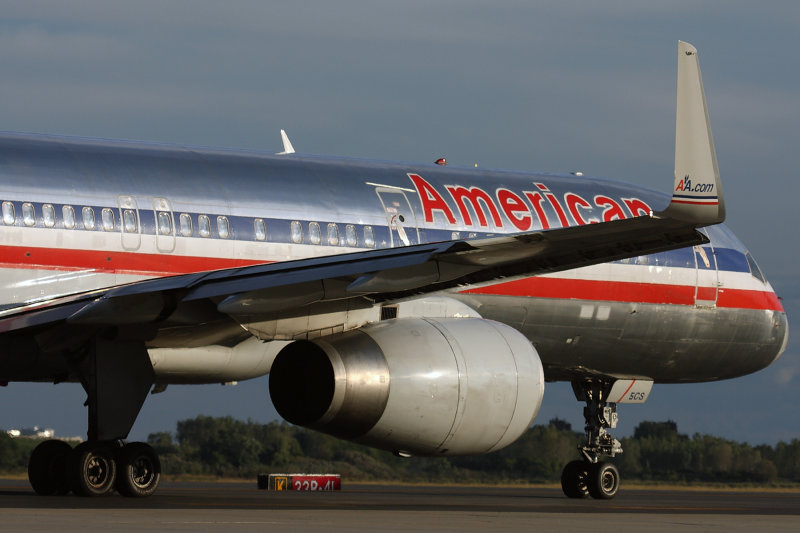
416 308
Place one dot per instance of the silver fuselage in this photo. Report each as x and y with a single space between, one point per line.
84 214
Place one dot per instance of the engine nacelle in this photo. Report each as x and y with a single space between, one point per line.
419 386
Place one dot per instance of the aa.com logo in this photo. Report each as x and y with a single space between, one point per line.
686 185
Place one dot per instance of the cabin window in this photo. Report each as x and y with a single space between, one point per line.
369 237
203 226
314 233
297 232
9 216
223 227
88 218
333 234
69 216
164 223
260 229
48 215
28 214
129 220
350 235
107 216
186 225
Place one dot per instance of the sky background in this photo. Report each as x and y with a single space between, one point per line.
545 86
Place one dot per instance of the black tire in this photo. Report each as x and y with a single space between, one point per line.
92 469
47 468
603 481
573 479
138 470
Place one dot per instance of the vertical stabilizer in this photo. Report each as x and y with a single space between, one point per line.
287 144
696 193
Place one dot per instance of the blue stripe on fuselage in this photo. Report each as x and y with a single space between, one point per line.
727 259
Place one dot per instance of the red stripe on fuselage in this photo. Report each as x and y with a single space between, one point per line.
134 263
696 202
144 264
624 291
706 293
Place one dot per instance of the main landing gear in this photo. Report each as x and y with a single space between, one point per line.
590 476
117 377
94 468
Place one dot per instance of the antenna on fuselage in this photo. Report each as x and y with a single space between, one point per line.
287 144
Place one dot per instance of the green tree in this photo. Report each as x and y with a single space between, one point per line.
162 443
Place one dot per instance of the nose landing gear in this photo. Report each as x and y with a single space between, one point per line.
581 479
574 479
591 476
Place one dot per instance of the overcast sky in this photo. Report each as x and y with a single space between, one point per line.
546 86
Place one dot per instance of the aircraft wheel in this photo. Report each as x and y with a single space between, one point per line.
603 481
47 468
139 470
92 469
573 479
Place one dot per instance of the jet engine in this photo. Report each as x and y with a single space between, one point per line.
417 386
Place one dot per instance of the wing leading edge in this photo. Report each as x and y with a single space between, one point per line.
375 275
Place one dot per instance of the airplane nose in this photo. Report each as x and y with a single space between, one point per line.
782 327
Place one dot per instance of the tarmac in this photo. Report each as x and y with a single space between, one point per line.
235 507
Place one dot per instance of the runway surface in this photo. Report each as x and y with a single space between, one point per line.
235 507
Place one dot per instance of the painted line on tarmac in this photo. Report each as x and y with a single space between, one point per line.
683 508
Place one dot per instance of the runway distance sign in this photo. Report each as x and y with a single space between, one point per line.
300 482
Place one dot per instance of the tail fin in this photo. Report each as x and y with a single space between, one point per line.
697 191
287 144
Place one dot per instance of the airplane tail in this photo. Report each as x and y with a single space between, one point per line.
697 192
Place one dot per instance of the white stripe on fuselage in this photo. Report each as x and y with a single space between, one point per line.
663 275
24 283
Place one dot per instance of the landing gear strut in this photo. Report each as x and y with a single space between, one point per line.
117 376
591 476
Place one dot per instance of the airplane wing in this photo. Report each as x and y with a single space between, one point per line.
375 275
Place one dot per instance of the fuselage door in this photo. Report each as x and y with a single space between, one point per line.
707 280
130 226
400 218
165 225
